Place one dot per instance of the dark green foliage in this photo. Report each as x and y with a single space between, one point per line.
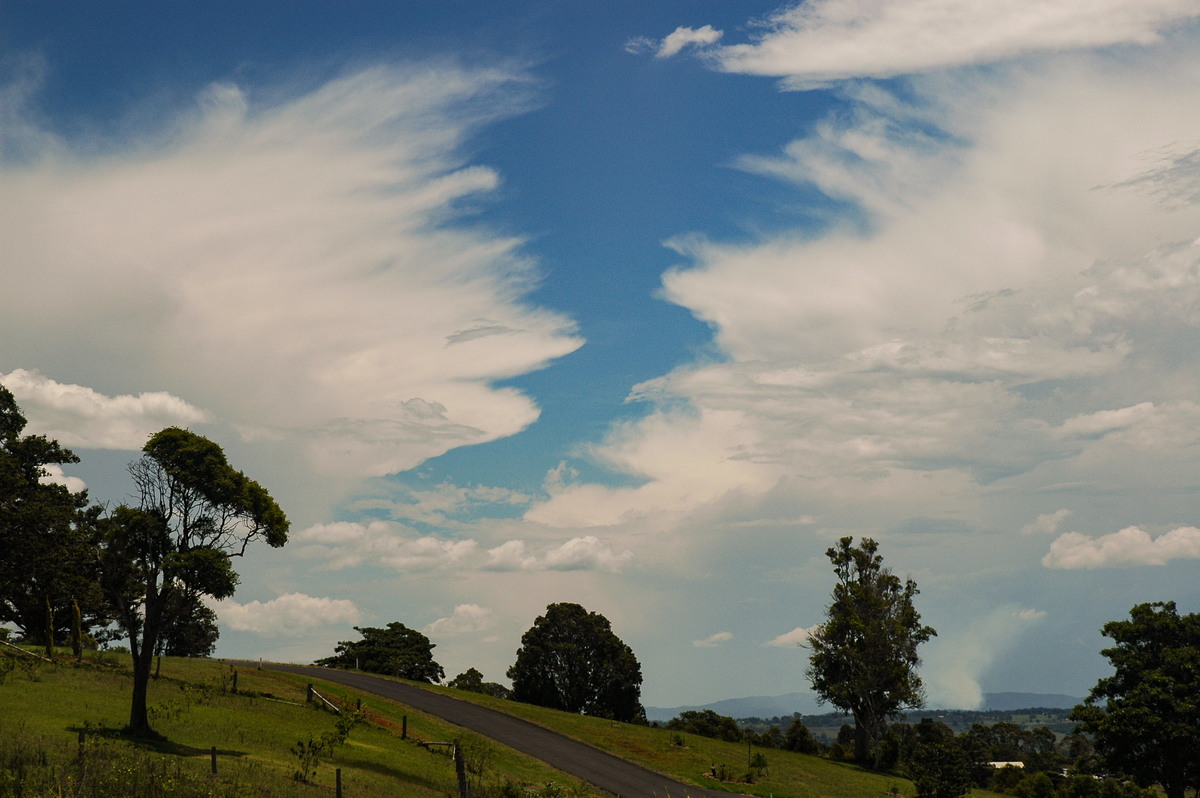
707 723
392 651
864 657
47 535
798 738
1035 785
940 770
571 660
195 514
1148 727
472 681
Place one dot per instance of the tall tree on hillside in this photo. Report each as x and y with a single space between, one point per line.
864 657
47 536
571 660
195 514
1149 726
393 651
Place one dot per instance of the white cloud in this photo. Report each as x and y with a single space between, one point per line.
682 37
78 416
300 268
584 553
797 637
466 619
287 615
54 475
348 544
1046 524
823 40
996 318
1129 546
713 640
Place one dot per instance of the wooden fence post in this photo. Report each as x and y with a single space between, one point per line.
460 770
309 697
404 727
339 782
214 760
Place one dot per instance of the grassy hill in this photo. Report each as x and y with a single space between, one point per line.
60 735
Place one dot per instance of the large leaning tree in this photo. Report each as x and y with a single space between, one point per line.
570 659
48 540
1145 718
195 513
864 657
394 650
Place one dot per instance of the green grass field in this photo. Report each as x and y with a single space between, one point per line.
44 708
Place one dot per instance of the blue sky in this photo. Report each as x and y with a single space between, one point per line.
638 305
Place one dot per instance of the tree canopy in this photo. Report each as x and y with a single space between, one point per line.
1148 727
47 534
570 659
394 650
864 657
195 513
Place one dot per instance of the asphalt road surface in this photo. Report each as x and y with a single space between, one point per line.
602 770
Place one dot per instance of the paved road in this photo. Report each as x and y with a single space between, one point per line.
609 773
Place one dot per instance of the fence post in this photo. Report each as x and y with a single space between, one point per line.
235 681
460 770
404 727
309 697
214 760
339 782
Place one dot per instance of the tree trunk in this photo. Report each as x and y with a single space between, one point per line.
862 742
49 629
139 720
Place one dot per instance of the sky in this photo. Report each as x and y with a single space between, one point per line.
641 306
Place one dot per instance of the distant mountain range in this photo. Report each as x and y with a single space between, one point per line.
788 703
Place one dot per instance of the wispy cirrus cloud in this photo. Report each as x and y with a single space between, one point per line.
298 265
812 43
713 640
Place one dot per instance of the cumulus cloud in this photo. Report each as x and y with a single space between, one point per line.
75 415
350 544
1003 311
301 268
1129 546
713 640
797 637
288 615
818 41
54 475
583 553
466 619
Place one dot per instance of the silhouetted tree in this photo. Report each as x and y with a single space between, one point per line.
864 657
195 514
1149 725
571 660
394 650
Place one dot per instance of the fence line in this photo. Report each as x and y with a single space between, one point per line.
23 651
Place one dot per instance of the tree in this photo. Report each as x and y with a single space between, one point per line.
864 657
472 681
191 630
1149 726
706 723
48 536
195 514
393 651
940 770
571 660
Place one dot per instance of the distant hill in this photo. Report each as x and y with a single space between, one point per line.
1011 701
804 703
